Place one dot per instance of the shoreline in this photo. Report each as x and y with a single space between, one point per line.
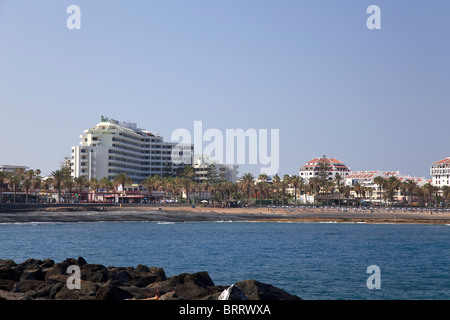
152 213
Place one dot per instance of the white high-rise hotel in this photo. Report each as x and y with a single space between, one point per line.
112 147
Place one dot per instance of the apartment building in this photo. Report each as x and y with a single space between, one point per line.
112 147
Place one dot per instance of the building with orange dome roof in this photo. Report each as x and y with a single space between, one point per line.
331 166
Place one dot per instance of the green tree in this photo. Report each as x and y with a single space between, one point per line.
338 180
69 184
411 187
188 172
323 169
284 184
380 181
206 186
187 185
15 180
296 182
105 183
94 184
3 178
275 187
58 177
152 183
446 194
247 182
28 178
211 174
262 188
122 179
392 184
167 171
314 184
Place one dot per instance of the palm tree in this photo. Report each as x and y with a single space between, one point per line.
262 177
380 181
222 186
105 183
3 176
429 189
28 177
315 185
165 185
284 185
69 184
392 184
152 183
261 187
295 182
188 172
358 189
328 187
346 191
410 186
186 183
37 181
446 193
247 182
206 185
338 179
235 188
122 179
275 187
58 178
175 187
80 183
15 180
94 184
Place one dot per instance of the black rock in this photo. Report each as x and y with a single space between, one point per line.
256 290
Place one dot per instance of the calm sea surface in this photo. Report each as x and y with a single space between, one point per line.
311 260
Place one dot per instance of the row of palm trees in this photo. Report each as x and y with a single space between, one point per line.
20 179
279 190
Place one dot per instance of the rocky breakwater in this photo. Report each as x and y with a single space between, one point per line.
46 280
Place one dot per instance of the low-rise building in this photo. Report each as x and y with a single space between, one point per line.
12 168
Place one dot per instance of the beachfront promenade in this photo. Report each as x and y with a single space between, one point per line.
184 213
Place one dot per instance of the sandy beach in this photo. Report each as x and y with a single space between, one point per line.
80 213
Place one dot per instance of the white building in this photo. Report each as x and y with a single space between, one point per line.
331 165
366 178
112 147
440 172
12 168
224 171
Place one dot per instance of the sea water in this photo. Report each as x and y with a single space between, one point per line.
311 260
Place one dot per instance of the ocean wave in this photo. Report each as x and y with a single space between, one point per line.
31 223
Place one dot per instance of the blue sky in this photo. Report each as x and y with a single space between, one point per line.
375 99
